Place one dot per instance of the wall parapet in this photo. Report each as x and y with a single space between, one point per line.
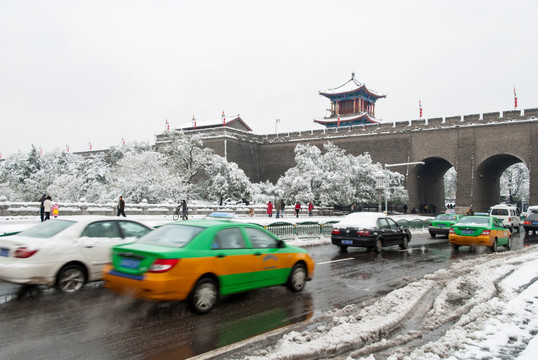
83 208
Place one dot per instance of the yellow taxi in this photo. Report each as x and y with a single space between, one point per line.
479 230
200 260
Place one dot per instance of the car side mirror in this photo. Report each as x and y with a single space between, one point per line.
281 244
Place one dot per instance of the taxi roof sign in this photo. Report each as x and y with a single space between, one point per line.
221 215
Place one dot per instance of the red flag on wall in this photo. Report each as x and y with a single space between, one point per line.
515 98
223 119
194 122
420 108
338 122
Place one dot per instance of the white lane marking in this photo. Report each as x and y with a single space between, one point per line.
333 261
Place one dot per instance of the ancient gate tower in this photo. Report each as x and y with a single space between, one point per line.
351 104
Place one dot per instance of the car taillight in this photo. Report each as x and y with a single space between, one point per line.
336 232
451 231
484 232
526 222
363 233
162 265
24 252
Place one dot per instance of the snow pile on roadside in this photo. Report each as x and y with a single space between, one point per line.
488 306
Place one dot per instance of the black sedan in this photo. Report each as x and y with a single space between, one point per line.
531 223
369 230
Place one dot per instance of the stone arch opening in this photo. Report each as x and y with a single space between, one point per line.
486 189
430 185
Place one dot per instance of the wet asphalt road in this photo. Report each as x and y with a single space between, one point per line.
95 324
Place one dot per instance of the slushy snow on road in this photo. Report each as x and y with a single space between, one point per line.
482 308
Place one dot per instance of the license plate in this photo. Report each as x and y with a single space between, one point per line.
4 252
535 223
347 242
441 225
130 263
467 232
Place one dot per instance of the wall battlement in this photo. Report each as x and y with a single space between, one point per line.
370 129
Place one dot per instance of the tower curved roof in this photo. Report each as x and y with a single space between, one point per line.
349 87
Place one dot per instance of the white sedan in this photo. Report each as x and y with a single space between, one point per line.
65 253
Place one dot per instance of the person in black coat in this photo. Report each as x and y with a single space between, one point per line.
121 207
42 207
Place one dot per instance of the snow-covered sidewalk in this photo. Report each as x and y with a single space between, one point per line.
481 308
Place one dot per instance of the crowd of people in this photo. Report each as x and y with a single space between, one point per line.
280 205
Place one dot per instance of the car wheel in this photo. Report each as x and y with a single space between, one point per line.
297 279
456 247
518 229
378 245
70 279
343 248
494 246
432 234
405 243
204 295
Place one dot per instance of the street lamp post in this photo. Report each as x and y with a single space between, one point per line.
385 177
380 187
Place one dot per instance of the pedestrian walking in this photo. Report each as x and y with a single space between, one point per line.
184 210
270 209
297 208
310 208
47 207
41 207
278 206
282 206
121 207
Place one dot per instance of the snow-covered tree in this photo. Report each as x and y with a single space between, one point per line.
450 184
515 183
142 176
116 153
335 177
186 157
224 180
262 192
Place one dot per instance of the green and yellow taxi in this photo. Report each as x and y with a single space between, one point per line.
200 260
441 224
479 230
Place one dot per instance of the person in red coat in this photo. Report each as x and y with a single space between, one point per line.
270 209
297 208
310 208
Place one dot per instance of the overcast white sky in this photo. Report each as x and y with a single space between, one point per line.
74 72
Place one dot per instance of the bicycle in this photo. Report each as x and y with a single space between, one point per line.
177 213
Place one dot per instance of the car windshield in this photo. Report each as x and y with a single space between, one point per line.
171 235
47 229
444 217
472 220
